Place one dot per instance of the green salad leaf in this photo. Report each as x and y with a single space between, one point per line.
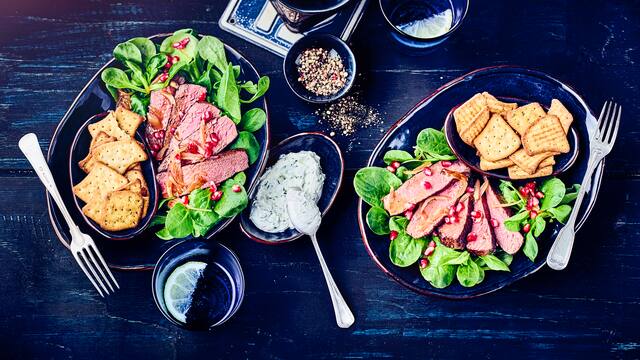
248 143
373 183
405 250
378 220
253 120
400 156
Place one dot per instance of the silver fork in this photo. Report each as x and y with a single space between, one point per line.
83 248
601 145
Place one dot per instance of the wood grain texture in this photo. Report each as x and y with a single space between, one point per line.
590 310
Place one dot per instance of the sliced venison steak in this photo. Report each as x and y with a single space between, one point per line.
509 241
454 234
414 190
159 114
433 210
186 96
484 242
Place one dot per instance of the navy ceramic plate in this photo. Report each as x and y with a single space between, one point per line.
325 41
143 251
431 112
332 165
79 149
468 155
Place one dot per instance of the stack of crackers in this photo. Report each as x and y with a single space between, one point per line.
523 139
114 190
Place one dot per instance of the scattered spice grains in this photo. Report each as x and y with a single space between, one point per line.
347 115
321 71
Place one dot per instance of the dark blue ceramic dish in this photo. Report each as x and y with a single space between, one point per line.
142 251
468 155
431 112
79 149
397 12
209 252
332 165
325 41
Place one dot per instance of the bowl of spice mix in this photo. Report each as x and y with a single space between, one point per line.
320 68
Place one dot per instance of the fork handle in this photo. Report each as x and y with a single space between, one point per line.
560 251
30 147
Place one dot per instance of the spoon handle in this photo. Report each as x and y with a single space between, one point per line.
344 316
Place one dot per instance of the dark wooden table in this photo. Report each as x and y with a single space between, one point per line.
49 49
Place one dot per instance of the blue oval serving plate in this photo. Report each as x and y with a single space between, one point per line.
143 250
332 165
468 155
79 149
508 81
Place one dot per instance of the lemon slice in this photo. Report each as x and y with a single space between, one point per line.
180 286
431 27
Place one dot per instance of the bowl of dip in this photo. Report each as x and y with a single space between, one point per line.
311 161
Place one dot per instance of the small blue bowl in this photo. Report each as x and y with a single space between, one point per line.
325 41
398 12
79 149
209 252
332 165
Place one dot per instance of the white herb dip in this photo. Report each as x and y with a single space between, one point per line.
269 206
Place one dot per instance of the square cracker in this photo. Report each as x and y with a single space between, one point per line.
475 128
120 155
128 120
100 181
122 210
497 106
498 140
466 113
515 173
88 162
142 188
487 165
550 161
529 163
521 118
558 109
94 210
545 135
110 126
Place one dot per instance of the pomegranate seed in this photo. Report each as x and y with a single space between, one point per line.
408 214
429 251
445 163
526 228
494 222
236 188
192 148
426 185
178 156
432 244
217 195
208 152
459 207
447 220
540 195
530 202
163 77
175 59
470 190
395 164
452 211
391 169
202 97
477 220
535 201
155 147
476 214
424 263
456 219
393 235
523 191
212 187
531 185
409 207
168 65
207 116
214 138
427 171
185 200
472 237
533 214
154 153
177 45
185 41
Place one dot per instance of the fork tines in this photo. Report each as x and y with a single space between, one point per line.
609 123
93 265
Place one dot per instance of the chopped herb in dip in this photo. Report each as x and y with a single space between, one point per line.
321 71
269 207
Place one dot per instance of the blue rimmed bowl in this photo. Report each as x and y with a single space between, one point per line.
332 165
79 149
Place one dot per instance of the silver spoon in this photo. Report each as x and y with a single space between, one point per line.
306 218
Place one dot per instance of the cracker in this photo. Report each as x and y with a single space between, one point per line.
100 181
487 165
94 210
136 175
550 161
122 210
498 140
466 113
497 106
529 163
110 126
516 173
88 162
475 128
119 155
128 120
545 135
521 118
559 110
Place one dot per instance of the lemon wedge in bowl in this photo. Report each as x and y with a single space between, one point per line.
179 288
